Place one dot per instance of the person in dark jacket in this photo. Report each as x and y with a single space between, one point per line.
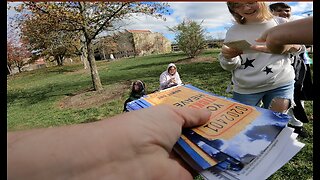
303 81
137 91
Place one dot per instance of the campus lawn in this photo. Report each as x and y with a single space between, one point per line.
39 98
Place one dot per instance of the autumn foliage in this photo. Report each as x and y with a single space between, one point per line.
17 54
52 26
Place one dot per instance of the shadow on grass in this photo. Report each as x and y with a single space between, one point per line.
37 95
146 65
199 70
61 71
53 91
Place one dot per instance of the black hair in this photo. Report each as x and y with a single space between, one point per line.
135 94
274 6
141 88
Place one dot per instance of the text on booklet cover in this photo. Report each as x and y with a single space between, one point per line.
228 118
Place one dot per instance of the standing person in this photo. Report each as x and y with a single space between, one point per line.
303 81
170 77
257 76
137 91
280 9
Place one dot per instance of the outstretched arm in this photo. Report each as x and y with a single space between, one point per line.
134 145
281 38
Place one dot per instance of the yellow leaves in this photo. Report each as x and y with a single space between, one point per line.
19 8
50 7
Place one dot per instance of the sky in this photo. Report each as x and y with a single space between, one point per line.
214 16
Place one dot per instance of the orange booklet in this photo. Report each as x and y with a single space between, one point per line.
235 134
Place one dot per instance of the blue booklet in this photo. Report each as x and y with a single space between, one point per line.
235 134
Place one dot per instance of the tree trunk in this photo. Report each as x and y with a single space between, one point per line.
104 54
93 68
9 71
58 59
84 58
62 59
19 68
84 55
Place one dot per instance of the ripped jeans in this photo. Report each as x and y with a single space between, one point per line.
283 94
279 100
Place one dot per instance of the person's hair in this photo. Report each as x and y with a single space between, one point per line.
264 12
274 6
171 65
140 84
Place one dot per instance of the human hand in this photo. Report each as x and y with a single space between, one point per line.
278 37
276 50
272 45
133 145
229 53
172 80
153 133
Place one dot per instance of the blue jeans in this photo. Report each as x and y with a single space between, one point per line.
285 92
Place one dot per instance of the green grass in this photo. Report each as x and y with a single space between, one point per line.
33 97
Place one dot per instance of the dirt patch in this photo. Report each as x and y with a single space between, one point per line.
89 98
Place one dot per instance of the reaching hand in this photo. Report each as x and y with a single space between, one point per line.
273 48
285 37
229 53
133 145
268 47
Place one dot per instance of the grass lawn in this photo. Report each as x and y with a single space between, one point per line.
57 96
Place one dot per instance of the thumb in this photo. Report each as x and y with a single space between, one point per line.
262 48
192 117
262 38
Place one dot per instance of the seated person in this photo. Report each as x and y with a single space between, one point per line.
170 77
137 91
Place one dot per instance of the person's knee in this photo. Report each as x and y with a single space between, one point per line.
281 105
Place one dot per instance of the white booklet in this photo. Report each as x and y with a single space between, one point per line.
278 153
242 45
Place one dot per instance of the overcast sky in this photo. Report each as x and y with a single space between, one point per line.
215 17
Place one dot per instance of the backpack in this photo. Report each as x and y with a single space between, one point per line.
300 69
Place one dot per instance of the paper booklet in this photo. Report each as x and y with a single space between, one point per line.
234 137
280 151
242 45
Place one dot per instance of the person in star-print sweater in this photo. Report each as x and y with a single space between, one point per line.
258 76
